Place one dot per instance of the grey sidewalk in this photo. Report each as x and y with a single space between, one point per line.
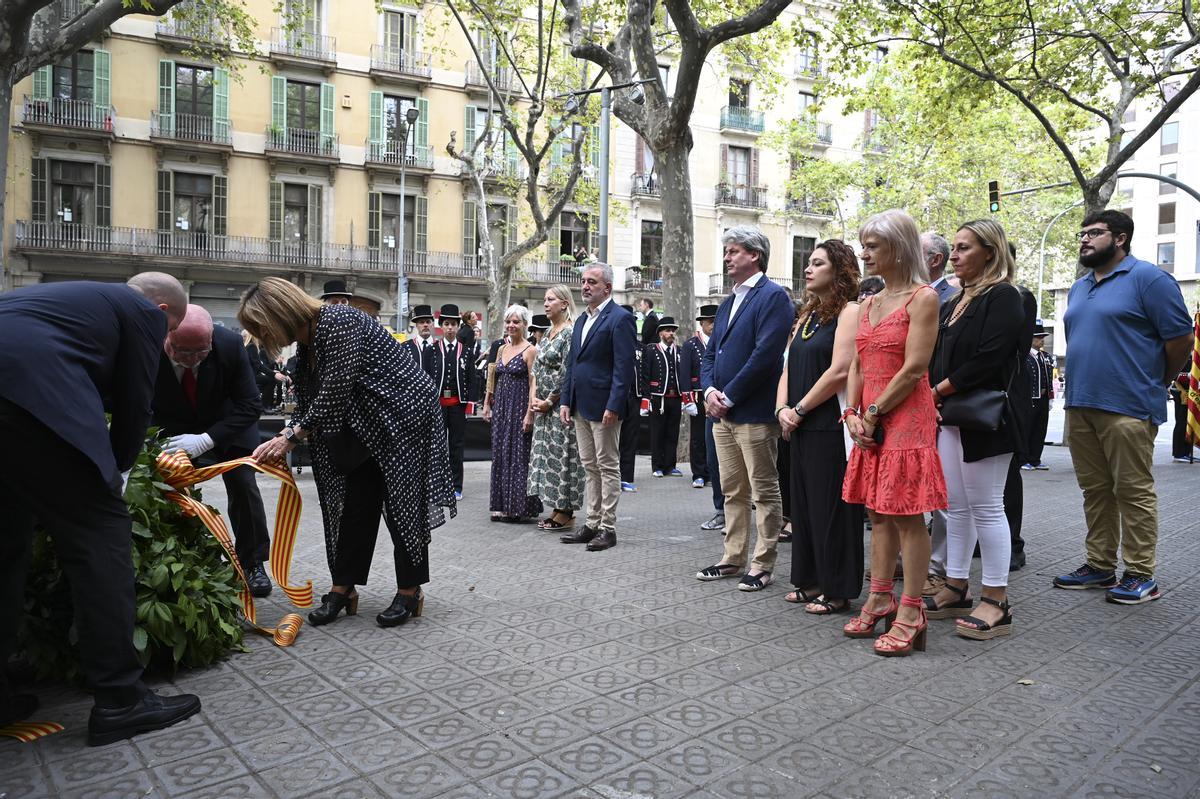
541 670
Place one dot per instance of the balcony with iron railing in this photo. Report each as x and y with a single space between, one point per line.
391 153
789 283
821 133
78 116
309 145
645 184
184 32
66 10
742 120
719 284
396 62
192 129
808 206
644 277
807 66
300 47
502 77
500 168
754 197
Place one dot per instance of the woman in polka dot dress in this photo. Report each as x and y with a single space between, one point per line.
375 432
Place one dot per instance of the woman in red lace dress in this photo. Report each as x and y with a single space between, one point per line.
894 468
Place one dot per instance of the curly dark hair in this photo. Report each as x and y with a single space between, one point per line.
845 282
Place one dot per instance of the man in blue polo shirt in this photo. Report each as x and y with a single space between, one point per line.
1128 330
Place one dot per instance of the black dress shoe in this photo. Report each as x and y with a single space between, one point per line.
1017 562
259 582
402 609
151 712
18 708
331 605
581 536
605 540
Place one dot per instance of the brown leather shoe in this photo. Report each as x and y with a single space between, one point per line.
606 539
581 536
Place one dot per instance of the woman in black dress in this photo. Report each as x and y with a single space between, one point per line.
374 426
827 545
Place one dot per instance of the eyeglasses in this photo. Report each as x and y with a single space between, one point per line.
1092 233
190 353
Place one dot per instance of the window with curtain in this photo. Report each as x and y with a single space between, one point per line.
652 243
390 226
394 109
192 212
73 193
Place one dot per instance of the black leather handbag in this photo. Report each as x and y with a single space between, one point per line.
980 409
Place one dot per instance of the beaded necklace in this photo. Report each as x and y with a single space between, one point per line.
805 333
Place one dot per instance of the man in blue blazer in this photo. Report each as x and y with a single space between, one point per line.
69 353
594 398
740 370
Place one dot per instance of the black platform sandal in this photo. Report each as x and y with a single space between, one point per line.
331 605
403 608
950 610
979 630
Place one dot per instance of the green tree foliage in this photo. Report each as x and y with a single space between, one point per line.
188 610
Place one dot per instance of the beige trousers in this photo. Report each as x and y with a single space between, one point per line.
746 454
601 457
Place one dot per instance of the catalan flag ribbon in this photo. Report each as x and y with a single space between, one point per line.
1193 388
29 731
179 473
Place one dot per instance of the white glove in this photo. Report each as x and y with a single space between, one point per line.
125 480
690 409
644 412
194 445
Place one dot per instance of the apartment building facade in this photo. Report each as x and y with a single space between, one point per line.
134 154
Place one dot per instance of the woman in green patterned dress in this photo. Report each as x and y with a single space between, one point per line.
555 471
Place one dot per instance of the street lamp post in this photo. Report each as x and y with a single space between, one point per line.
410 119
1042 254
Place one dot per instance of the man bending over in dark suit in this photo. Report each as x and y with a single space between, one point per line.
206 400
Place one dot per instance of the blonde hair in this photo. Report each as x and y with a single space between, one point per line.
563 293
899 230
1002 267
275 311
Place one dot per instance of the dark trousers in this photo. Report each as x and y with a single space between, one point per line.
245 509
365 490
664 433
1014 503
92 535
697 449
1180 446
783 465
455 417
1039 420
714 468
631 427
827 539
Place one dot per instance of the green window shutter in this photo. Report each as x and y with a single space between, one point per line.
275 224
422 122
103 196
510 228
41 192
468 128
279 109
374 219
41 82
594 146
375 123
166 97
410 36
553 235
220 225
220 104
470 250
166 200
102 86
316 196
421 235
327 118
593 235
556 149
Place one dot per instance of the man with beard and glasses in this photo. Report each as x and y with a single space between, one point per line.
1127 329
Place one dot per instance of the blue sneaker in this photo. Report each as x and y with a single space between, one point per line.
674 473
657 473
698 482
1086 576
1133 590
458 495
628 487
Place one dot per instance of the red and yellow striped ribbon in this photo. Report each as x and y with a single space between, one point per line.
28 731
1193 389
178 472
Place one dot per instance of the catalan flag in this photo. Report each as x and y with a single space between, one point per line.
1193 388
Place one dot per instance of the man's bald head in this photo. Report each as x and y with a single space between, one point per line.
165 292
191 342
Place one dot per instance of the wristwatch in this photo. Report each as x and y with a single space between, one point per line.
873 409
799 408
289 434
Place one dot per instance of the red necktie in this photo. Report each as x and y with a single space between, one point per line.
188 381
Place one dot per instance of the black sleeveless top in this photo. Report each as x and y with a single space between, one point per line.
808 359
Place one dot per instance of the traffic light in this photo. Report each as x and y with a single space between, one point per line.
994 196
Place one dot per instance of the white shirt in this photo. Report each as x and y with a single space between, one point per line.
592 315
178 367
741 290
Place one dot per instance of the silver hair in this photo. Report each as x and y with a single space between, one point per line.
932 242
899 230
519 310
606 270
748 237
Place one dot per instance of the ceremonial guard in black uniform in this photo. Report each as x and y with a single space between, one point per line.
631 422
662 391
691 354
416 345
1040 368
451 364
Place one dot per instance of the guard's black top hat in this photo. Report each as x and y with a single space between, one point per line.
667 322
1039 329
450 311
540 322
706 312
336 288
422 312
